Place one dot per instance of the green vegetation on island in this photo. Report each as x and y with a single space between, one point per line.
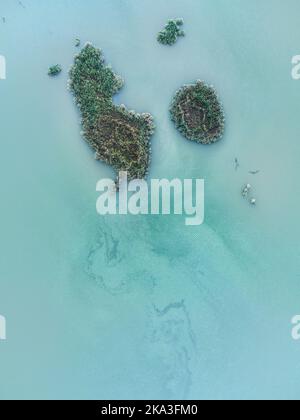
54 70
172 31
246 191
198 114
120 138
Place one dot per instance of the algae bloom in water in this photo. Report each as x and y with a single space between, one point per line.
172 31
198 114
120 138
55 70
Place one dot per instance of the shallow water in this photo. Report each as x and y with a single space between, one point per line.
144 307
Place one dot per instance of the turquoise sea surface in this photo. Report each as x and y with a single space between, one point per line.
125 307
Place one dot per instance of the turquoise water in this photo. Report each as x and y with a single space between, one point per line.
145 307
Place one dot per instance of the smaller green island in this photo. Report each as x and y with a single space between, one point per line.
119 137
55 70
172 31
198 114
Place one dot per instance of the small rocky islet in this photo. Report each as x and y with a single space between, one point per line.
198 114
119 137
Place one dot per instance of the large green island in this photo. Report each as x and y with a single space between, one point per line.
120 138
198 113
